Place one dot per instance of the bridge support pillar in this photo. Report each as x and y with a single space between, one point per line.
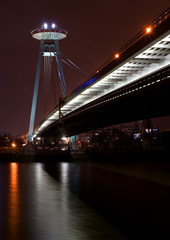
46 47
35 94
73 143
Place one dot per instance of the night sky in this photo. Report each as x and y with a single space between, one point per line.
96 30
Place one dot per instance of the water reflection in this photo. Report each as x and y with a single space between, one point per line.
38 204
64 173
136 206
37 207
13 201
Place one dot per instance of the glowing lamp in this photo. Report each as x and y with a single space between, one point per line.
53 25
13 145
148 30
45 25
64 138
116 55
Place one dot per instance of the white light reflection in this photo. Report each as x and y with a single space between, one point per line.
64 173
38 175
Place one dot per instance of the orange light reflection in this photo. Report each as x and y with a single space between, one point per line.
13 201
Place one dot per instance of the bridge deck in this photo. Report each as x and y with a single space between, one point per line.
117 78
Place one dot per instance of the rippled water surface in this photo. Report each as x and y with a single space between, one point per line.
60 201
35 205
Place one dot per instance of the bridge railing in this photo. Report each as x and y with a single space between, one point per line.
137 37
130 43
140 35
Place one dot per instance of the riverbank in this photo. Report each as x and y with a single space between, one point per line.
17 155
8 154
112 156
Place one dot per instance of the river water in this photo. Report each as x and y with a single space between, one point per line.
60 201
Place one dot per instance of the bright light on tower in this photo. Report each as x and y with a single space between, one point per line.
45 25
53 25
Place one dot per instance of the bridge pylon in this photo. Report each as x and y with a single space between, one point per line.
49 46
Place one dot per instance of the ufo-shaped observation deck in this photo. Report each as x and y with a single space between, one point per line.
49 34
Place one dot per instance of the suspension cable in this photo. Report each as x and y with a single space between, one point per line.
73 65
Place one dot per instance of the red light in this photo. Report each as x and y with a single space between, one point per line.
116 55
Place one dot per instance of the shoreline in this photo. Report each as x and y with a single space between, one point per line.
90 156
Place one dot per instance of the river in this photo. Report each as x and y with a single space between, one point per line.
77 201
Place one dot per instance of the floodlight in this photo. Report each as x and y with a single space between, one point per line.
45 25
53 25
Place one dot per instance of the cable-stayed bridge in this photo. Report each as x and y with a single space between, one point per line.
133 84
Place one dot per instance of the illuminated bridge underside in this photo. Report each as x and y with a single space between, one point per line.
133 87
151 99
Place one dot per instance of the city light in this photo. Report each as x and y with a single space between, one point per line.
13 145
116 55
148 30
64 138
